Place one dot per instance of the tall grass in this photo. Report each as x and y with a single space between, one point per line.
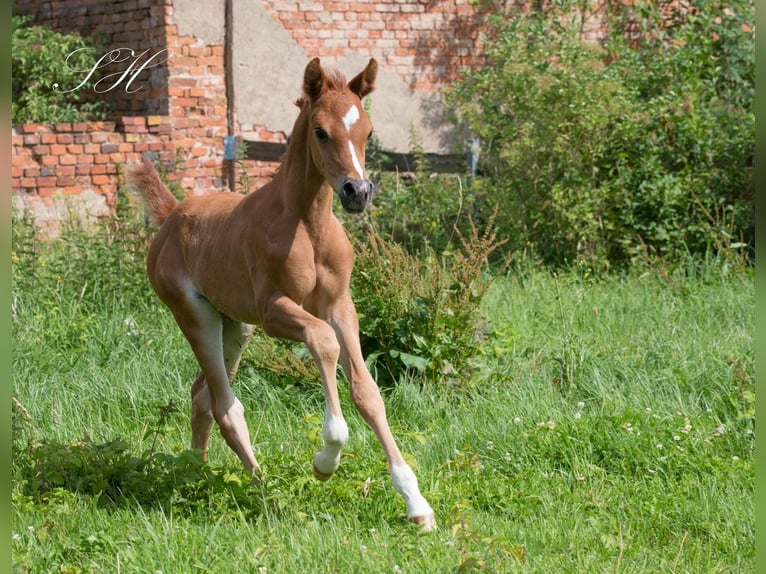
607 427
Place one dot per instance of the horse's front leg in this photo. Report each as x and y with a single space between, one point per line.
369 402
287 320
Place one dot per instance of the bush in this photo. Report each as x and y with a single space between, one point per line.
421 314
44 64
605 154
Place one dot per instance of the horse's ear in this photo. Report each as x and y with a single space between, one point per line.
364 82
313 80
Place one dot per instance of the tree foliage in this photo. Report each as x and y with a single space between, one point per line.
644 146
44 62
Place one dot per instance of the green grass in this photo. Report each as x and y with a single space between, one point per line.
608 428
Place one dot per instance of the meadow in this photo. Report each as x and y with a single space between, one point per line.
606 426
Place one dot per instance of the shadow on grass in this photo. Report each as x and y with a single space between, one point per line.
117 478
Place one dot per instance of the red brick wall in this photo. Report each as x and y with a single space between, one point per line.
51 161
426 42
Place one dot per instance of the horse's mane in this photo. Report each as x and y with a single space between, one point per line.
334 82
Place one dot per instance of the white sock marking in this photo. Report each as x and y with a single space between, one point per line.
406 484
335 434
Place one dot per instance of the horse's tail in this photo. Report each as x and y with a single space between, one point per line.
144 182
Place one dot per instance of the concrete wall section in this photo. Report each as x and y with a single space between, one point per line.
420 46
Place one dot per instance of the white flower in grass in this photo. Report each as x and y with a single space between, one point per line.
676 437
16 536
659 446
516 420
719 430
130 326
581 405
648 410
577 416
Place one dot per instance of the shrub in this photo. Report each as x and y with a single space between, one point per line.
44 64
603 154
421 314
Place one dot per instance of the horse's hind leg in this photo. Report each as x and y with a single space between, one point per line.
235 336
203 327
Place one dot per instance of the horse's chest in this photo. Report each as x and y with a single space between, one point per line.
309 271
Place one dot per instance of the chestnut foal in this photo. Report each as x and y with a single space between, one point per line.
277 257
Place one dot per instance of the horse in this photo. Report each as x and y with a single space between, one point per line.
277 257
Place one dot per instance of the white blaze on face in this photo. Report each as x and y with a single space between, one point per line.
351 117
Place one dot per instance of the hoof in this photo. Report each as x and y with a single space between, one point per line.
320 475
427 522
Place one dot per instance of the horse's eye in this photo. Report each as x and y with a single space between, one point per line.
321 134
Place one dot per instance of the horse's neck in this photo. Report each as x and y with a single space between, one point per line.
302 186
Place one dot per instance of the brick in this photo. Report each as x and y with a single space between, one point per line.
63 127
74 149
65 138
28 182
49 160
100 179
29 128
85 159
157 120
133 120
91 148
64 180
65 170
67 159
45 191
41 150
31 139
45 171
45 181
101 158
48 138
109 148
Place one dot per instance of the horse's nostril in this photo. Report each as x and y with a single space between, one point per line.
350 189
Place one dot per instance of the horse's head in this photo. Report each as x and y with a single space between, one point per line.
339 129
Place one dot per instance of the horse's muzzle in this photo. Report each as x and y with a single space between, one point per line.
355 194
